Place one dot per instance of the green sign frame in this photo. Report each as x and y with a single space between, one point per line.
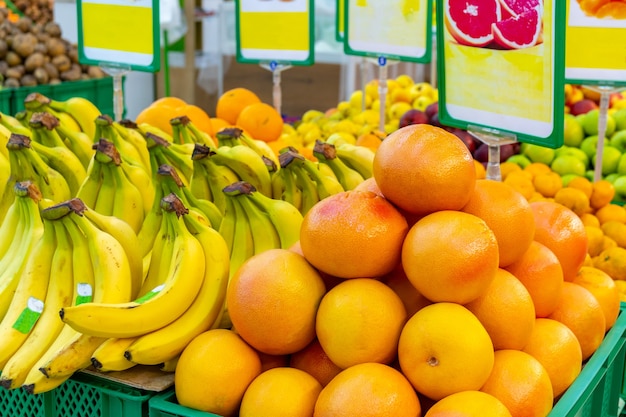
481 87
385 50
101 37
279 56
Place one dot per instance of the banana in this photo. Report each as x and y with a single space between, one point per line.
127 151
164 344
28 231
217 176
38 383
286 218
286 188
304 182
207 207
141 179
90 187
82 110
176 155
8 125
169 365
128 203
106 194
127 237
247 164
112 284
78 142
326 154
109 356
65 162
198 183
10 224
359 158
159 259
48 326
158 308
326 185
149 131
264 234
128 131
227 226
243 245
25 307
42 129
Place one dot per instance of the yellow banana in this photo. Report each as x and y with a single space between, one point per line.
49 325
112 284
127 151
304 182
164 344
109 356
243 245
217 176
8 125
286 218
247 164
160 259
82 110
227 226
359 158
38 383
90 187
128 131
326 154
28 231
10 223
153 310
65 162
263 231
78 142
142 180
126 236
128 203
169 365
29 296
198 183
106 194
326 185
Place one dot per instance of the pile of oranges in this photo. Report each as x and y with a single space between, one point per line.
426 291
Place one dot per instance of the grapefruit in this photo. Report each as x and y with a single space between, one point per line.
520 31
469 22
516 7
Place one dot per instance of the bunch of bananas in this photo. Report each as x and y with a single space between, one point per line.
350 163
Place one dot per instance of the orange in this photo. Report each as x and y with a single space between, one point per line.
602 194
314 361
445 349
547 183
541 273
411 298
371 139
169 101
208 379
360 320
555 346
611 212
423 169
583 184
612 260
537 168
521 383
562 231
574 199
261 121
616 231
157 116
579 310
353 234
219 124
481 172
369 184
506 301
508 215
198 117
232 102
507 167
272 301
520 181
595 240
281 392
450 256
602 286
368 390
468 404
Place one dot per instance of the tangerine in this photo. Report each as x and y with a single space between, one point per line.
353 234
422 169
272 301
232 102
603 287
468 404
261 121
450 256
314 361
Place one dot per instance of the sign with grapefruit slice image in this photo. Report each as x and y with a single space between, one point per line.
395 29
595 50
500 66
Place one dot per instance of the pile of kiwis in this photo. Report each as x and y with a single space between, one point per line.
34 53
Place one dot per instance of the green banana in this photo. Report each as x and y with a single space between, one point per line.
327 154
243 245
262 230
65 162
78 142
128 153
128 131
326 186
90 187
359 158
81 109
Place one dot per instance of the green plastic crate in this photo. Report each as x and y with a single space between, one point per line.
82 395
98 90
6 101
598 391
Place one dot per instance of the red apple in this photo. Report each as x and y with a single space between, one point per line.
413 117
467 139
583 106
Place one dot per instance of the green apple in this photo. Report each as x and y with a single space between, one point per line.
621 165
620 119
573 133
565 179
570 150
610 160
620 187
590 123
538 153
568 164
589 145
520 160
590 174
612 177
618 140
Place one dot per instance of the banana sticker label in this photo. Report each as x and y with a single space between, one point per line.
29 316
150 294
84 293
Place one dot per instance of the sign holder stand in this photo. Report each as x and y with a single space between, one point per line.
117 71
605 95
383 63
276 70
493 138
